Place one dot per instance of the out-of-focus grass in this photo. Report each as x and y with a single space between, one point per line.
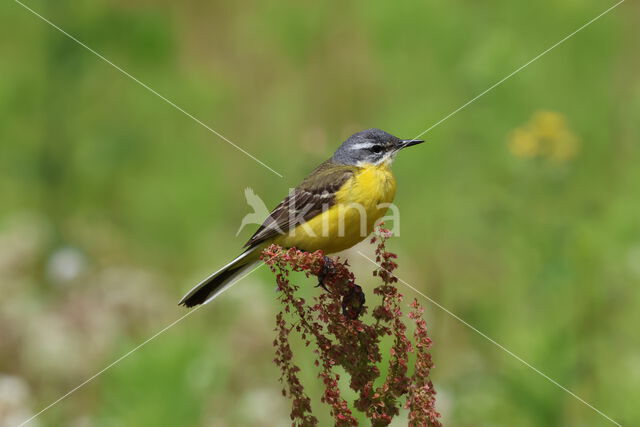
112 203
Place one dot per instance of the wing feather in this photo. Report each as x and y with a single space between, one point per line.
315 195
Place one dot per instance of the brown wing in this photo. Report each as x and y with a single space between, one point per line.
315 195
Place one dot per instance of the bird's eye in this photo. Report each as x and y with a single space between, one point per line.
376 148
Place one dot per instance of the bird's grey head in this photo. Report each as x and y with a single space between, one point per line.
373 146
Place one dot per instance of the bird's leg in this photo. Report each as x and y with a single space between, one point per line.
353 299
327 268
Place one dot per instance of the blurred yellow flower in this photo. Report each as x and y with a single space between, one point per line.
547 124
523 143
545 135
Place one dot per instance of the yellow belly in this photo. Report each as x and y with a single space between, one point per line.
360 203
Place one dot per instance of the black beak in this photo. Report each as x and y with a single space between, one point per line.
410 142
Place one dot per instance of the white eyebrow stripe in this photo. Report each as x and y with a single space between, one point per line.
361 145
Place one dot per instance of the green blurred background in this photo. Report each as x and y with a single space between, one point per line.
521 215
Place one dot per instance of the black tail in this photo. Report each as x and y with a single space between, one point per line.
215 284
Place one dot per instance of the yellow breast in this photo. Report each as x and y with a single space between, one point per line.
359 204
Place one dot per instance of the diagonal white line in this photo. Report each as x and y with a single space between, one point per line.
497 344
115 362
130 352
518 70
168 101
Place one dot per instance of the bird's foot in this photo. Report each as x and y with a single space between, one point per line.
326 270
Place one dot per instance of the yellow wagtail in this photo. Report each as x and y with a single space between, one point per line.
334 208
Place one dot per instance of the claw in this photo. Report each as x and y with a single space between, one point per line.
327 268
